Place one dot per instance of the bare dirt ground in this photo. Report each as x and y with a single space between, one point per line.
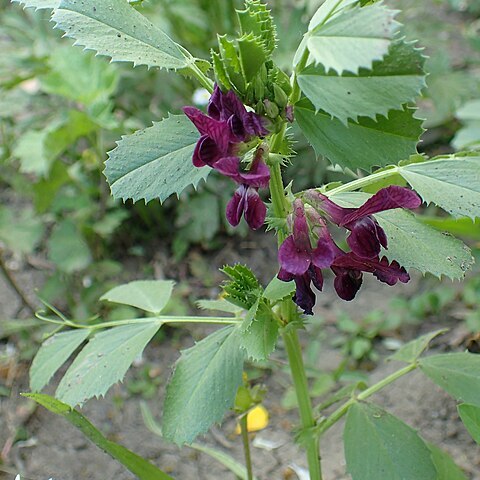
53 448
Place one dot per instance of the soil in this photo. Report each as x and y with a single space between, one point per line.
54 449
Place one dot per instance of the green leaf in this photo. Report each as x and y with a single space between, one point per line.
32 152
243 288
38 4
115 29
252 56
457 373
364 144
468 137
220 305
469 111
328 10
354 38
67 249
444 465
203 385
379 446
140 467
452 184
277 290
20 230
53 353
393 82
104 361
259 332
148 295
412 350
416 245
155 162
470 415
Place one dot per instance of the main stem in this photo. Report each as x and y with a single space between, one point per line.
246 446
290 336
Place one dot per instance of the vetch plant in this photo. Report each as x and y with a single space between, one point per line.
350 89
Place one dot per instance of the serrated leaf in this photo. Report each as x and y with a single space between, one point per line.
220 305
104 361
470 415
391 83
155 162
328 10
412 350
243 288
38 4
115 29
203 385
452 184
353 38
53 353
140 467
364 144
457 373
252 56
379 446
414 244
148 295
444 465
277 289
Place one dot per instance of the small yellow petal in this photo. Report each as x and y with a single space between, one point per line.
257 419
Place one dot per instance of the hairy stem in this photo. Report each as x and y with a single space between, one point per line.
246 446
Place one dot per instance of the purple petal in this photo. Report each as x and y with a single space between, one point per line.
390 273
386 199
304 296
323 255
214 104
258 176
285 276
235 207
300 228
216 130
316 276
254 124
232 105
206 152
229 166
237 128
320 202
255 210
364 240
292 259
347 282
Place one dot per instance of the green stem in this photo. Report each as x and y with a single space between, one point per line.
205 82
290 337
246 446
341 411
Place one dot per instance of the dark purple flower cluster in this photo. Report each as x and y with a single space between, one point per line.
303 263
224 132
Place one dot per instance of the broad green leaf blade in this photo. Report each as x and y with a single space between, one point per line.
203 385
148 295
412 350
140 467
393 82
470 415
104 361
452 184
446 468
328 10
155 162
53 353
379 446
220 305
364 144
353 39
468 137
416 245
38 4
457 373
115 29
469 111
277 290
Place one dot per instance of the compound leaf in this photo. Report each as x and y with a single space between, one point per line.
155 162
104 361
203 385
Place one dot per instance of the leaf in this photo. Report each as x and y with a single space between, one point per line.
20 230
391 83
53 353
468 137
252 56
470 415
243 288
364 144
260 332
203 386
277 290
104 361
38 4
416 245
444 465
32 153
220 305
380 446
353 39
412 350
140 467
452 184
457 373
115 29
469 111
155 162
328 10
67 249
149 295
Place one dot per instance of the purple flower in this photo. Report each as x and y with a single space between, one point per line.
366 237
